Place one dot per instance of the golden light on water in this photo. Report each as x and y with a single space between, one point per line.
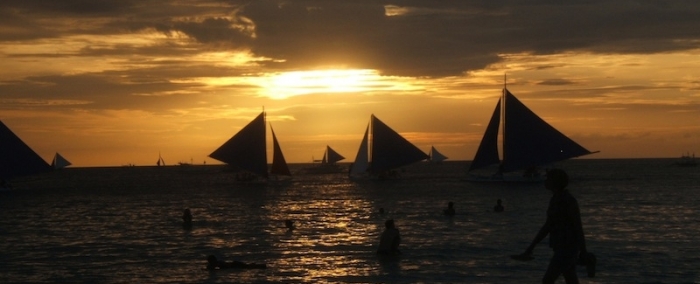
338 223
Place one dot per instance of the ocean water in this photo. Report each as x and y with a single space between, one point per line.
123 225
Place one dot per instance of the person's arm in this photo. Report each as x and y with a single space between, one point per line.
539 237
396 241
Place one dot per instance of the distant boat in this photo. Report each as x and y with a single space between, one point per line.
160 162
528 143
435 156
246 151
687 161
59 162
331 156
16 158
382 151
327 165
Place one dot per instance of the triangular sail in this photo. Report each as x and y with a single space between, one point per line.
390 150
246 149
59 162
487 154
436 156
279 164
16 158
361 163
332 156
160 162
530 141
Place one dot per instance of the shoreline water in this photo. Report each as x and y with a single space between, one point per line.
123 225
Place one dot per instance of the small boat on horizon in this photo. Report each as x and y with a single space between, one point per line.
59 162
434 156
160 162
327 165
687 161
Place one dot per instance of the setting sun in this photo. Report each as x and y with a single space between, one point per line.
295 83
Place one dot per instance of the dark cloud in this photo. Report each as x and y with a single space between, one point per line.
70 7
98 91
439 39
556 82
427 38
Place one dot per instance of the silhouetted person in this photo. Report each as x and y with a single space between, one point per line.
187 219
450 211
564 228
213 264
499 206
381 210
390 239
289 224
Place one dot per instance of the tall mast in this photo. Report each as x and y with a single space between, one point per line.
503 118
370 140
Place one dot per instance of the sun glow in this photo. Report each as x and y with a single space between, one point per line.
295 83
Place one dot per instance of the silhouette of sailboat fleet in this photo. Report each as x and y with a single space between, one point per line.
528 144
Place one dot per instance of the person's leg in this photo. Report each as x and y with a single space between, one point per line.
570 275
562 262
553 271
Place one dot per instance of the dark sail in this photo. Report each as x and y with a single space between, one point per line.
16 158
390 150
487 154
246 149
279 164
331 156
361 164
60 162
530 141
435 156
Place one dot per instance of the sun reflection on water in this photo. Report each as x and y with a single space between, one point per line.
334 238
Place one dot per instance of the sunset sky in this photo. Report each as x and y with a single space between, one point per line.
107 83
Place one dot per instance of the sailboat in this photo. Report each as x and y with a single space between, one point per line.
687 161
528 143
435 156
331 156
160 162
16 158
383 150
246 151
59 162
327 165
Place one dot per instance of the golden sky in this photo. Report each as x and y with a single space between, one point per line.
109 83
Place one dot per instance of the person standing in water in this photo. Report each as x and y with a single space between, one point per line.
187 219
390 239
450 211
499 206
289 224
564 228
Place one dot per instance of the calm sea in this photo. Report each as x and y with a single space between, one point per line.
123 225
